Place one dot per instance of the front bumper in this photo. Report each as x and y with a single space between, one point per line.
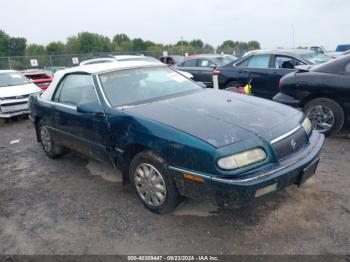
286 99
13 107
236 192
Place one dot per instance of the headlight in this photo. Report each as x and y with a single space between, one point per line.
242 159
307 125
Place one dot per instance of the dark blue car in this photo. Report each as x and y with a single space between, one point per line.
263 69
171 138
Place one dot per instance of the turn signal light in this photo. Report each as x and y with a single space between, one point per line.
194 178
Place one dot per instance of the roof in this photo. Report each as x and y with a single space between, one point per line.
106 67
121 57
8 71
205 55
95 69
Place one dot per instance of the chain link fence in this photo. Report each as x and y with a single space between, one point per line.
51 62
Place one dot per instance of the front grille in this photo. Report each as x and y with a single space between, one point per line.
291 144
15 97
14 107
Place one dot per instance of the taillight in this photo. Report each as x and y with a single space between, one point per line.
216 72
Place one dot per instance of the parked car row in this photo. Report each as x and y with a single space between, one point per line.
173 139
322 91
202 66
15 90
263 69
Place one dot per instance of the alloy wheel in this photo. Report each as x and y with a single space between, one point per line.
321 117
45 138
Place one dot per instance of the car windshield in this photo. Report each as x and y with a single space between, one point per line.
12 79
143 85
320 58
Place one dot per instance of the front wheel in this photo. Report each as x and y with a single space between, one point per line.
153 183
326 115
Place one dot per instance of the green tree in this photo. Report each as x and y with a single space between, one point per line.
4 41
253 45
120 38
16 46
138 44
197 43
73 45
95 43
35 50
55 48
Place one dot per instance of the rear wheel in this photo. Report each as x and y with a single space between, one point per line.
51 149
326 115
2 121
153 183
232 86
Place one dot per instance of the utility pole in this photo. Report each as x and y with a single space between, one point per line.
182 46
293 38
9 60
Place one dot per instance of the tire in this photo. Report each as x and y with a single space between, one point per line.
232 86
51 149
326 115
2 121
157 192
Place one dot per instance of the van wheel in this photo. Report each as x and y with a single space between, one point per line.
326 115
153 183
51 149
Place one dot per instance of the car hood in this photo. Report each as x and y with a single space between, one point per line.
20 90
220 117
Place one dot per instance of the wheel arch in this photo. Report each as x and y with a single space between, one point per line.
232 80
128 154
36 125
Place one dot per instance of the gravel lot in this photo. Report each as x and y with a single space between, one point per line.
75 205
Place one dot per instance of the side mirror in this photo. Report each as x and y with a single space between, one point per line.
201 84
90 108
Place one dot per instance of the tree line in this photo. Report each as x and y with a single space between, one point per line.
86 42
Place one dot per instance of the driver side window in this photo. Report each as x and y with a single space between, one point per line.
76 89
206 63
285 62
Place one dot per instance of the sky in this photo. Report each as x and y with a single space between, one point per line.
271 22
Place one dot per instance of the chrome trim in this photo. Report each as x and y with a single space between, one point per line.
69 106
189 172
56 103
239 180
101 89
119 150
285 135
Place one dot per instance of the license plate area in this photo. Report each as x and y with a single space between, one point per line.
13 108
266 190
307 172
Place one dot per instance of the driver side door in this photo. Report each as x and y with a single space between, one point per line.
86 133
205 71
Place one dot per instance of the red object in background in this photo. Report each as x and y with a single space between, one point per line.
41 78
